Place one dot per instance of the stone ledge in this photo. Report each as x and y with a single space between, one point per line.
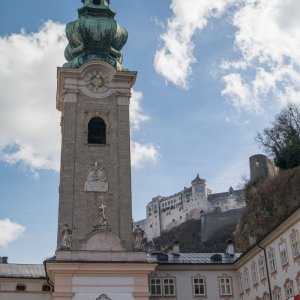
101 256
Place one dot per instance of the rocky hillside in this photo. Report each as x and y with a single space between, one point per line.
268 203
188 235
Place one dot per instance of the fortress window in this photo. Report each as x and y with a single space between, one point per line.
96 131
96 2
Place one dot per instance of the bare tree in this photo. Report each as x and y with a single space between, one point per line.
281 141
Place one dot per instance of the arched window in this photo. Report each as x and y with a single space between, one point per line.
96 131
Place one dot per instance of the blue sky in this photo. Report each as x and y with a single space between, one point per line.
210 75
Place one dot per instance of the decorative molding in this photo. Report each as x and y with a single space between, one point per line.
103 297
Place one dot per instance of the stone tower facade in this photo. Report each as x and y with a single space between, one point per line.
95 173
98 256
93 96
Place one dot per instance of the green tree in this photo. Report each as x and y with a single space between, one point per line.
281 140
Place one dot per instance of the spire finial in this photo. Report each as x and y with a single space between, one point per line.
96 35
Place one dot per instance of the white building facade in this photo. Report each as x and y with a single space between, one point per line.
165 213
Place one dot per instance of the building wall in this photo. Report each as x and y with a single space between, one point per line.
33 289
281 275
90 288
184 282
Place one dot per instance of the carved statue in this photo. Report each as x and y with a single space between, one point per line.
102 216
102 222
97 173
96 179
138 235
66 237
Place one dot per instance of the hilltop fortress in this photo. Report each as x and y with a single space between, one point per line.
199 202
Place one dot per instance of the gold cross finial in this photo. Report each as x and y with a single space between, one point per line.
102 210
102 206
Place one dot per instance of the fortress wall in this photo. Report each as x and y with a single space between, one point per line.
215 221
228 200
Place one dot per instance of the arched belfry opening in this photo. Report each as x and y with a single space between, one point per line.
97 131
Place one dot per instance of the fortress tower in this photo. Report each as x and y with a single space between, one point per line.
261 167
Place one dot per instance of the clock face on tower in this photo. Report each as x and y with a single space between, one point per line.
95 82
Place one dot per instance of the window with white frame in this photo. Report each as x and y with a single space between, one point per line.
241 282
277 293
283 253
246 279
262 268
225 286
289 289
254 273
155 286
169 286
272 260
199 286
294 237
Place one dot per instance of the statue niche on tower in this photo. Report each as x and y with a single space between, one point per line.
102 222
66 238
96 179
138 235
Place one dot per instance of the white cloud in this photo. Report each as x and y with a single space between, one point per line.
9 232
142 154
136 113
268 42
29 123
175 58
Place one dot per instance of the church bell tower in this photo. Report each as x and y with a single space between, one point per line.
93 96
98 256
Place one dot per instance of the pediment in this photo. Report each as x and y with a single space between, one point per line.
102 241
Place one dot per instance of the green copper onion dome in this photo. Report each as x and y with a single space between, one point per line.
96 35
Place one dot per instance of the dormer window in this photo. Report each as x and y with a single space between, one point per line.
46 288
20 287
